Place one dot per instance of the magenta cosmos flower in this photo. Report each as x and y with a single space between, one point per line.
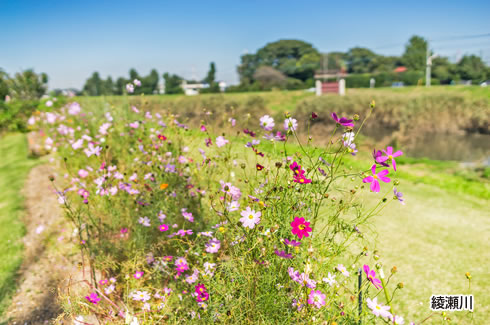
374 179
371 276
301 228
389 155
342 121
138 274
93 298
163 227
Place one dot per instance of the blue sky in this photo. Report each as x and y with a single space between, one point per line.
71 39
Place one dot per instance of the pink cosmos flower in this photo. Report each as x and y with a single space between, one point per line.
82 173
250 218
92 150
290 124
130 88
374 179
342 269
283 254
371 276
203 128
316 298
378 309
389 155
301 228
342 121
267 122
138 274
221 141
292 243
213 246
163 227
93 298
398 196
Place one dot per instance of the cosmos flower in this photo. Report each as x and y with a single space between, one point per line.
93 298
378 309
290 124
163 227
398 196
300 227
136 82
342 121
389 155
282 254
316 298
138 274
330 279
221 141
213 246
374 178
92 150
342 269
292 243
233 206
130 88
371 276
145 221
267 123
250 218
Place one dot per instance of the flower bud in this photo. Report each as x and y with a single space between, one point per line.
373 104
356 117
394 270
278 164
242 166
400 285
51 178
396 182
468 275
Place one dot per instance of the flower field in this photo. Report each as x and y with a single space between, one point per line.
236 223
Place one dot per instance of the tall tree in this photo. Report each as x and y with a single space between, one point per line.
471 67
172 84
415 54
360 60
294 58
94 85
28 85
4 89
211 80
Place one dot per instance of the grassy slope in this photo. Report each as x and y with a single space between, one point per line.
14 167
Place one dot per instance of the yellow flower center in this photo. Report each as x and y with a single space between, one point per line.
251 216
378 307
390 157
375 176
302 180
301 227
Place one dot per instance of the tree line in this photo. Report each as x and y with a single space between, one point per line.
96 86
291 64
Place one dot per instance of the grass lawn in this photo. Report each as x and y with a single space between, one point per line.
14 167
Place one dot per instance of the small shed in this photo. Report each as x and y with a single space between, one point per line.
330 82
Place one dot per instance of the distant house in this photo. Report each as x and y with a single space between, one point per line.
193 89
400 69
330 81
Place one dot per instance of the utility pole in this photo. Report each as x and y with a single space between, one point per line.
428 65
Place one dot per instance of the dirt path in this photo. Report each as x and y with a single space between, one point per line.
44 266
